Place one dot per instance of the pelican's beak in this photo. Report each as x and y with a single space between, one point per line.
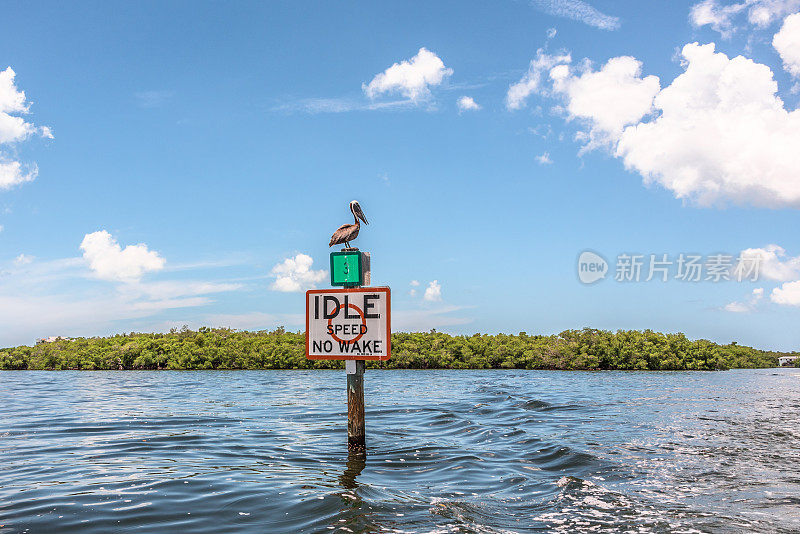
359 213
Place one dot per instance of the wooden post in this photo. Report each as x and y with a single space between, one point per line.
365 258
356 432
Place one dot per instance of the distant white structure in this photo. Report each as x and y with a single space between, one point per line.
786 360
51 339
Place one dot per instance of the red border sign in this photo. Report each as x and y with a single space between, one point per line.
385 290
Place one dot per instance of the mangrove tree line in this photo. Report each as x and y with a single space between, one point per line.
221 348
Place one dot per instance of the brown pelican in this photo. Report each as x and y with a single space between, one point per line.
348 232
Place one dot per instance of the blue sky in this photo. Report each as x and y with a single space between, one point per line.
180 163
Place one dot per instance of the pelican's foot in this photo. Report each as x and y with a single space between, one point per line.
350 249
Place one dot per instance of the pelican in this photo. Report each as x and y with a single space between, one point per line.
348 232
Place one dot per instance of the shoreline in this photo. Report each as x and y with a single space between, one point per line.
225 349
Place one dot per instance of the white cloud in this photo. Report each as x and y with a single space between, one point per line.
315 106
544 159
12 100
23 259
467 103
59 297
719 133
413 291
12 173
722 17
52 298
610 99
176 289
531 82
109 261
762 13
787 43
787 294
736 307
433 293
773 263
719 17
14 129
722 136
295 274
411 78
579 11
750 305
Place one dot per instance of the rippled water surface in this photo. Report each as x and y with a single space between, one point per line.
449 451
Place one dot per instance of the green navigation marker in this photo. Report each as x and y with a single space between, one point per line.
347 269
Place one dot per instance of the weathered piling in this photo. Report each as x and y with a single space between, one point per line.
356 432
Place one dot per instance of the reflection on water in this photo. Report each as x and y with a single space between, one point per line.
449 451
356 461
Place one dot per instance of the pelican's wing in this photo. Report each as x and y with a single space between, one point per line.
339 235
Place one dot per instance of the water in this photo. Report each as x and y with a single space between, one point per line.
449 451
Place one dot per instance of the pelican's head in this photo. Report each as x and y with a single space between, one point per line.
355 207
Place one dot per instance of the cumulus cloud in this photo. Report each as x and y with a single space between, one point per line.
718 134
13 173
531 82
411 78
295 274
467 103
110 261
787 294
577 10
744 307
14 129
433 293
544 159
609 99
722 136
772 261
787 43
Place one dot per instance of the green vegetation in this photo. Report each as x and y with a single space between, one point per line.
221 348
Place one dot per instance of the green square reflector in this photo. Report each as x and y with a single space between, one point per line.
346 269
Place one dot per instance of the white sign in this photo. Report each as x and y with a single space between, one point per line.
348 324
